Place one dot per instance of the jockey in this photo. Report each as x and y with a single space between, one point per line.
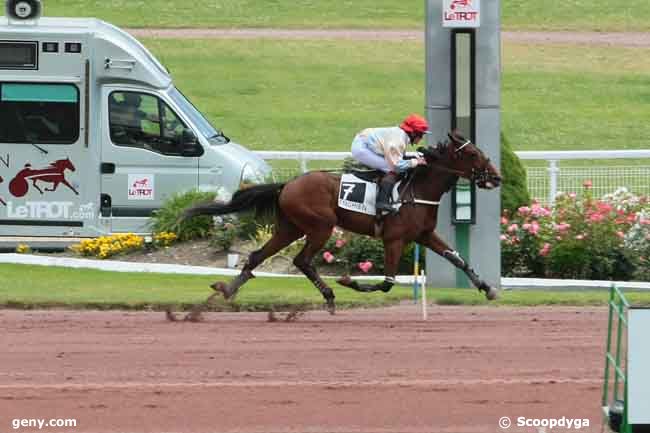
383 149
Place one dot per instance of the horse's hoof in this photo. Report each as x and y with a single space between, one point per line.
491 294
331 307
220 286
348 282
170 316
194 316
345 281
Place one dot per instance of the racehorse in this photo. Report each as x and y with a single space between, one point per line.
307 206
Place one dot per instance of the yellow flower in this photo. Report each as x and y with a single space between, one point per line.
23 249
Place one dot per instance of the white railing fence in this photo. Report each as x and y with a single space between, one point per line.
544 183
560 176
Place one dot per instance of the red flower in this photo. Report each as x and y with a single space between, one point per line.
328 257
365 266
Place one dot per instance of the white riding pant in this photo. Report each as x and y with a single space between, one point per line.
361 153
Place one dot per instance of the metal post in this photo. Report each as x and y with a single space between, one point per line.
609 346
416 271
618 344
303 163
423 280
463 247
553 170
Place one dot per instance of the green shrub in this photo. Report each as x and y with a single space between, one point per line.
345 251
514 189
169 217
265 232
361 249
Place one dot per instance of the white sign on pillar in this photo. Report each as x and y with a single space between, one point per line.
461 13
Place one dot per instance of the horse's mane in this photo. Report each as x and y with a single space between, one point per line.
433 154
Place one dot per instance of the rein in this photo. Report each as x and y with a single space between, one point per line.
413 200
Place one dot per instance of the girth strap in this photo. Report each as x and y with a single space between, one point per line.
429 202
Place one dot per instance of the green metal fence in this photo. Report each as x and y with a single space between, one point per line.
614 403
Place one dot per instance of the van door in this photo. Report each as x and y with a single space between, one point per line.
143 158
44 163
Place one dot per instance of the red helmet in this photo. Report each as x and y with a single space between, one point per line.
415 123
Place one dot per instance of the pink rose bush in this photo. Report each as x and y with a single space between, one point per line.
579 237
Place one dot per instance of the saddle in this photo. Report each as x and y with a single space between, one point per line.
364 172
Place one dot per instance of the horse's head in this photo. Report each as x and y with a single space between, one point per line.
63 164
469 161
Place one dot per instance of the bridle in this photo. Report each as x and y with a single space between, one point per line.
477 175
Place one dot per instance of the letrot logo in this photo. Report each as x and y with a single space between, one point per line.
461 13
51 210
141 187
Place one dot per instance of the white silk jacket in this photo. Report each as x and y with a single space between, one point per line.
391 143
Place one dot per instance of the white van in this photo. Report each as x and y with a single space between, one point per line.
94 135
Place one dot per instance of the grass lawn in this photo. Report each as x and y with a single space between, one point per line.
315 95
595 15
571 98
27 286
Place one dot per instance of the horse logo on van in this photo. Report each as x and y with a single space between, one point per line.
462 3
142 183
54 174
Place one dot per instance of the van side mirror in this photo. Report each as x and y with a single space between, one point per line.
190 145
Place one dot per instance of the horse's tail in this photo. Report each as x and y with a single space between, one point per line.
262 198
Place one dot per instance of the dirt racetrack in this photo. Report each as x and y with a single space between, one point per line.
379 370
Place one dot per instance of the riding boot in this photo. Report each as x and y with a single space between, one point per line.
384 193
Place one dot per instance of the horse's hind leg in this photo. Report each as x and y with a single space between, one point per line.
285 234
303 261
36 186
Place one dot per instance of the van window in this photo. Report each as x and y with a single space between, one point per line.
39 113
144 121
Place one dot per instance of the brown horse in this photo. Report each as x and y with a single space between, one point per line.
307 206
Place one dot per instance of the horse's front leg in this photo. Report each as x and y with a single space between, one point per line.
432 241
66 183
392 255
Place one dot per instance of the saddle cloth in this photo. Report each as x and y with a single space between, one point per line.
359 195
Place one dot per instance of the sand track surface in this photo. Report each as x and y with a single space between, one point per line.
380 370
619 39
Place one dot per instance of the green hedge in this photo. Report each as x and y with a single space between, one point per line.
514 188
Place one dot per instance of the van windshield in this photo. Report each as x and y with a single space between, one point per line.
205 127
